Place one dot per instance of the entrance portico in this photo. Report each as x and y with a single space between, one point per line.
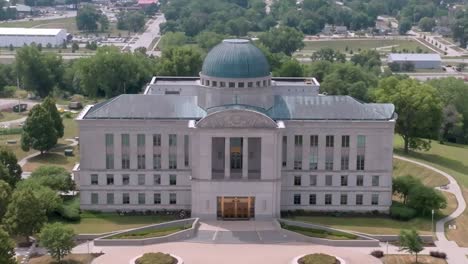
236 171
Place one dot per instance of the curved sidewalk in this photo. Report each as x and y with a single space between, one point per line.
455 254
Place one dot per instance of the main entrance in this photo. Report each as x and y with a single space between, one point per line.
236 208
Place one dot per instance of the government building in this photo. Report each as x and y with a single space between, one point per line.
235 143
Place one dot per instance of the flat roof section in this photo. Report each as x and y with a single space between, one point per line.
30 31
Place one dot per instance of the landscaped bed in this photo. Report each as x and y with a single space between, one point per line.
318 258
151 233
410 259
320 233
69 259
156 258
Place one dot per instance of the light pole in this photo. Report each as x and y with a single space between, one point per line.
432 225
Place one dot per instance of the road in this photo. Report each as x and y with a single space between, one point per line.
54 16
145 39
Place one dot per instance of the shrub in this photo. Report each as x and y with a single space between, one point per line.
401 212
67 115
438 254
317 258
377 253
70 210
156 258
8 91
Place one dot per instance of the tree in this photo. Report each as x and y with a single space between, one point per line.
51 108
404 27
367 59
49 199
56 178
10 170
180 61
5 195
328 54
207 39
131 20
425 199
419 110
25 214
402 186
39 72
39 130
394 66
407 66
172 39
459 32
451 128
103 22
291 68
427 24
411 242
7 248
57 239
87 18
282 39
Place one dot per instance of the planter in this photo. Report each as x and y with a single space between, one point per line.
296 259
179 259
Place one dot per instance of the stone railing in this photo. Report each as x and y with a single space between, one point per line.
360 241
180 235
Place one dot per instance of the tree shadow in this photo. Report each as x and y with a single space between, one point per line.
51 158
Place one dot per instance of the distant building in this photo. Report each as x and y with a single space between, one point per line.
420 61
443 31
18 37
332 29
145 3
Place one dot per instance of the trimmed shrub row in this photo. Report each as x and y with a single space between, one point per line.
318 258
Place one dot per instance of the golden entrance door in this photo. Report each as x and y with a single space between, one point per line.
236 207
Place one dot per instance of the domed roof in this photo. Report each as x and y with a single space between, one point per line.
235 58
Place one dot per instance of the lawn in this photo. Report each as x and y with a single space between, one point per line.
8 116
150 233
409 259
386 225
320 233
94 222
70 259
451 158
363 44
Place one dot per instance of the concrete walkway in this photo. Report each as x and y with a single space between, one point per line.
456 254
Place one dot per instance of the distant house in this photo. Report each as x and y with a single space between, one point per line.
145 3
331 29
420 61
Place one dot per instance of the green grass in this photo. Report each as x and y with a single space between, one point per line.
95 222
317 258
156 258
363 44
428 177
69 259
150 233
8 116
320 233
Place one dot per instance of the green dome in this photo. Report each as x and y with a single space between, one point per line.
235 58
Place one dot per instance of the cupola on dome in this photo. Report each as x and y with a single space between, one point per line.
235 58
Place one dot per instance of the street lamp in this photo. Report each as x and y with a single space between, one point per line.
432 225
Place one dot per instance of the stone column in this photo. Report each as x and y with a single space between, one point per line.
227 158
245 157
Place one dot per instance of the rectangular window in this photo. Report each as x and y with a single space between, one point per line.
172 161
215 83
94 198
375 180
125 151
285 150
359 199
125 179
94 179
330 141
172 198
297 199
240 85
156 161
328 199
222 84
298 140
360 162
344 180
110 198
314 140
141 179
157 179
109 151
141 198
345 141
359 180
125 198
172 140
258 83
313 180
375 199
232 84
344 199
313 162
312 199
110 179
344 162
297 180
157 198
328 180
250 84
141 157
172 179
156 140
329 163
186 150
298 152
361 141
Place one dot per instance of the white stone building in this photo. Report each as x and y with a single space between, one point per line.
235 142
